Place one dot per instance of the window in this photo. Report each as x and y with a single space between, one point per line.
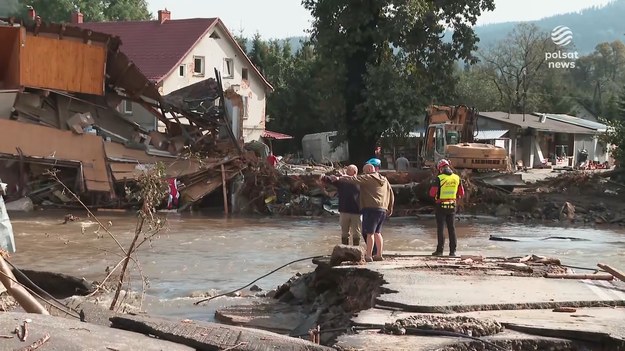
228 71
182 70
245 106
198 65
127 107
244 74
440 140
331 138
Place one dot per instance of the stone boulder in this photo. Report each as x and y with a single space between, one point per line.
346 253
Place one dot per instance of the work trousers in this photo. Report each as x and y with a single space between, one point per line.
350 226
446 214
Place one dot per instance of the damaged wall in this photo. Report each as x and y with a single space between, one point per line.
60 145
68 64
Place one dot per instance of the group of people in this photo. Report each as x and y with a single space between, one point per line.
367 200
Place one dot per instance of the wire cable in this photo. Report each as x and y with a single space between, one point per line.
64 310
20 273
257 279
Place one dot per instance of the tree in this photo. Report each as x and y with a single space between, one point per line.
616 132
599 77
517 65
380 45
93 10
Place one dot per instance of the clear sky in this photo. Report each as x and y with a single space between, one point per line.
286 18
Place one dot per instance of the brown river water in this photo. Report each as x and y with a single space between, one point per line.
202 252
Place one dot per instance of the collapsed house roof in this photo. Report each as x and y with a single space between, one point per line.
158 47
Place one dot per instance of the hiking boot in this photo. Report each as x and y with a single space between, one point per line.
368 259
453 254
378 258
437 253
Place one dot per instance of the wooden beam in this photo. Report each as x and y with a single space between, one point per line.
598 276
615 272
225 189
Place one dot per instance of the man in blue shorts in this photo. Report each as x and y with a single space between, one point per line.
376 202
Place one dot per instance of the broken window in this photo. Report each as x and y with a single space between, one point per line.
198 65
245 107
182 70
244 74
228 68
127 107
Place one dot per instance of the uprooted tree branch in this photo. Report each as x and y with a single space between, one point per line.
151 189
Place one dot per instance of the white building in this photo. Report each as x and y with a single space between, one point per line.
177 53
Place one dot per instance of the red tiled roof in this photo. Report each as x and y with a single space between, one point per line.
157 48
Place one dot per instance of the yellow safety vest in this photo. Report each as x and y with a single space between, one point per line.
448 186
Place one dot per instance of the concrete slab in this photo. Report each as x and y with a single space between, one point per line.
374 341
73 335
600 320
431 292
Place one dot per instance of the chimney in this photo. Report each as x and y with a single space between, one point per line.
164 15
31 13
77 16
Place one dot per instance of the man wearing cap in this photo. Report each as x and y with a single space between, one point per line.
445 189
376 203
350 218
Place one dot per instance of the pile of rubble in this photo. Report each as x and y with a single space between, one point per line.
456 324
53 119
578 197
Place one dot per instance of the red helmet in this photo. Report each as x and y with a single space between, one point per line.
442 164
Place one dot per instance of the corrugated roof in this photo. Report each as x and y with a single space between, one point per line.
533 121
158 48
490 134
600 127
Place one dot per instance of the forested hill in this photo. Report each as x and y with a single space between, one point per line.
590 27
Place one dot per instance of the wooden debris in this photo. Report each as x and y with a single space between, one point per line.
37 344
598 276
620 275
565 309
522 267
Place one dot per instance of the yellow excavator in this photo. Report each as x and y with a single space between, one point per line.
450 135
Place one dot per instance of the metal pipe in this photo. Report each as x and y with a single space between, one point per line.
19 293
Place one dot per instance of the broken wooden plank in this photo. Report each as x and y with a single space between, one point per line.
615 272
599 276
212 336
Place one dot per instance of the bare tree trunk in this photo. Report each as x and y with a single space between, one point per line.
131 249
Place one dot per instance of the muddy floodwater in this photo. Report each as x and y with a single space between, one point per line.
206 252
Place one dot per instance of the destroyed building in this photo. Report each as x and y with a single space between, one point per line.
60 88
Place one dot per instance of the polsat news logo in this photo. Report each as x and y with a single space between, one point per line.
562 36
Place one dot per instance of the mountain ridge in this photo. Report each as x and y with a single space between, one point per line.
586 33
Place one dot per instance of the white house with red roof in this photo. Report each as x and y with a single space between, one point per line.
177 53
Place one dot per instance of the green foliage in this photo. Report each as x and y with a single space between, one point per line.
385 53
93 10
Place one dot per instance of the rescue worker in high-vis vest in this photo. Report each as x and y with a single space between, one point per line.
446 189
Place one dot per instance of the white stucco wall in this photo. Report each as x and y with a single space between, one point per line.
215 51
